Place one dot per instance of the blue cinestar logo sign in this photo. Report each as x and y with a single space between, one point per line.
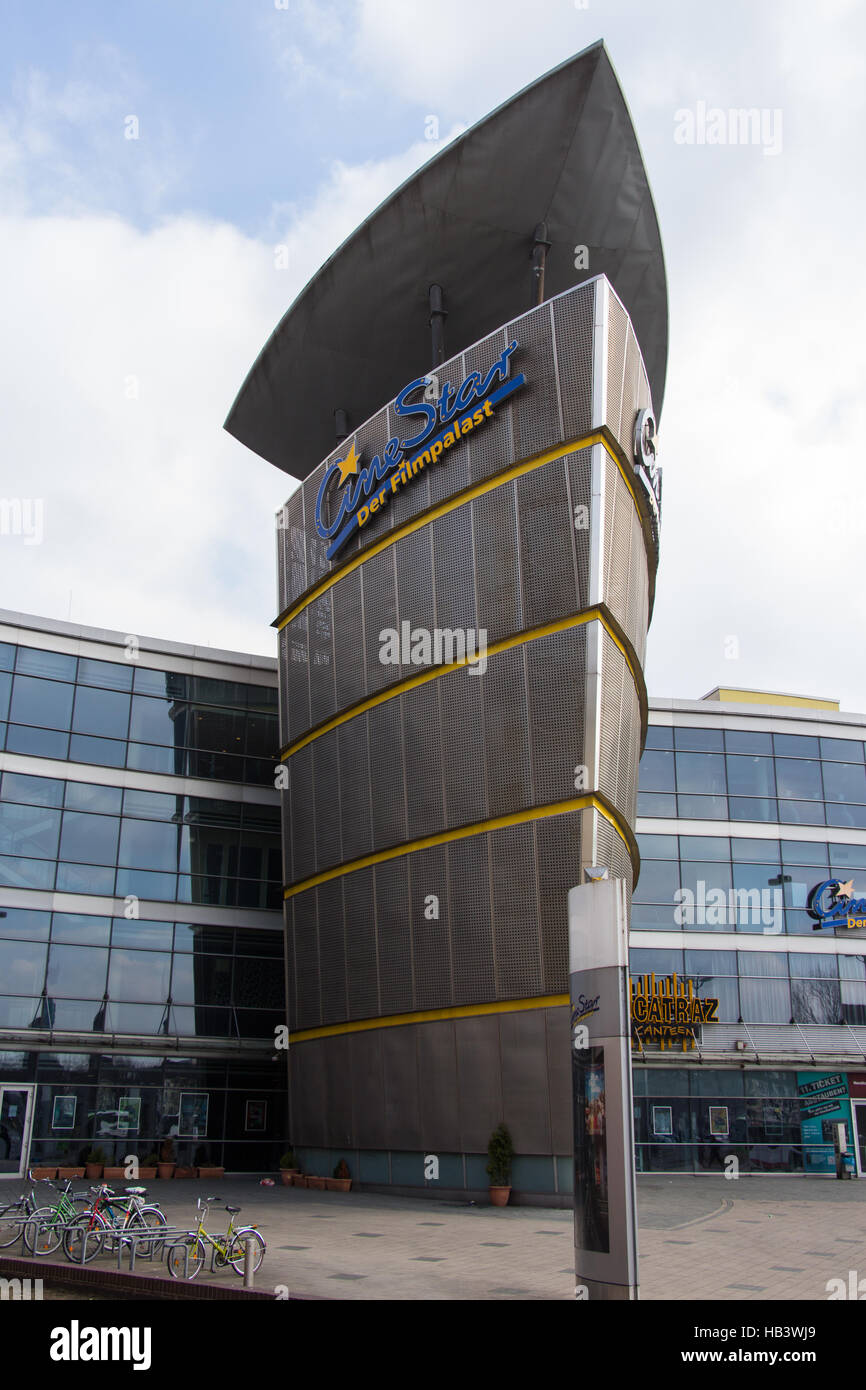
832 904
443 423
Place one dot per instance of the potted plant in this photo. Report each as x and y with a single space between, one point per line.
288 1167
94 1163
71 1172
318 1184
44 1172
500 1152
203 1165
115 1173
165 1166
342 1178
147 1167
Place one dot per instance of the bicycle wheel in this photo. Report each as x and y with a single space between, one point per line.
85 1235
237 1249
148 1218
12 1220
176 1260
44 1231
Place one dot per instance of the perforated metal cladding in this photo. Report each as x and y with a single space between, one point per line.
616 345
453 569
422 755
414 559
620 731
491 448
572 319
452 473
463 769
291 964
470 919
355 809
286 834
630 391
408 501
388 787
307 972
579 466
317 559
612 851
394 936
535 409
497 580
332 949
326 779
546 557
556 675
431 936
296 703
302 814
292 550
515 912
349 640
380 613
362 961
626 585
506 738
321 639
557 852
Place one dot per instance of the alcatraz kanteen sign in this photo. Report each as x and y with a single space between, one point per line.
445 422
667 1011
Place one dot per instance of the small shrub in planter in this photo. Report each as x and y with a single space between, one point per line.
185 1171
95 1163
500 1152
317 1183
298 1180
148 1165
288 1166
166 1164
342 1179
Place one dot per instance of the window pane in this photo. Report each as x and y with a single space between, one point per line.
657 772
655 962
151 805
145 883
76 929
36 791
27 873
842 750
658 882
736 742
653 918
846 815
37 743
657 846
656 804
711 962
5 691
722 987
753 808
852 967
816 1001
33 662
705 847
29 830
845 782
811 964
104 712
763 962
7 656
145 757
801 812
104 752
110 674
22 967
146 935
703 807
148 845
23 922
796 745
659 736
77 972
699 740
853 856
151 721
751 776
706 877
803 852
798 779
84 878
153 682
701 772
139 976
46 703
763 851
89 839
765 1001
90 796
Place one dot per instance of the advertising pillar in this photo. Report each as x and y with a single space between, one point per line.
605 1216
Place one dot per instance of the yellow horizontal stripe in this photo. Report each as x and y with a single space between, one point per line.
365 1025
463 832
412 682
450 505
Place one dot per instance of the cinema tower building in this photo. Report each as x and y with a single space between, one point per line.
465 583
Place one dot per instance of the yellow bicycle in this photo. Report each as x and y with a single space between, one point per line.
187 1256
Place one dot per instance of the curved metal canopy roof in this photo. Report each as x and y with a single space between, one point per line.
563 151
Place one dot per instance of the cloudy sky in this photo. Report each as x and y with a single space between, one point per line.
153 156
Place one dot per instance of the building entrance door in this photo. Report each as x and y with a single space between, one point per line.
16 1123
859 1108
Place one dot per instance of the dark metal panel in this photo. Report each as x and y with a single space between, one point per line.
515 912
525 1087
431 935
573 324
479 1081
394 936
326 782
338 1116
557 851
349 640
354 784
303 809
471 921
400 1069
556 674
422 753
332 951
462 740
362 965
387 777
497 579
380 613
437 1087
307 973
506 725
546 558
368 1092
308 1072
321 639
559 1080
453 569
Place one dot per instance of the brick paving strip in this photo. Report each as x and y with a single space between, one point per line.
692 1237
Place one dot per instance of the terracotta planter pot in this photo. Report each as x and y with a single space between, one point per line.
298 1180
211 1173
93 1170
185 1172
499 1196
339 1184
287 1175
165 1170
70 1172
114 1174
44 1172
317 1183
147 1172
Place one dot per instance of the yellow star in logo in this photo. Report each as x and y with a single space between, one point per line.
349 465
845 890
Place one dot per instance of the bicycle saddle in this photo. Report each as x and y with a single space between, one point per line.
232 1209
135 1191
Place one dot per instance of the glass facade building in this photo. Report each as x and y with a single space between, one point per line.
141 953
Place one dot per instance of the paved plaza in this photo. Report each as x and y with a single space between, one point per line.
700 1237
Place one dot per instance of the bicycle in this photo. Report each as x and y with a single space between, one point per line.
42 1227
228 1248
109 1217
